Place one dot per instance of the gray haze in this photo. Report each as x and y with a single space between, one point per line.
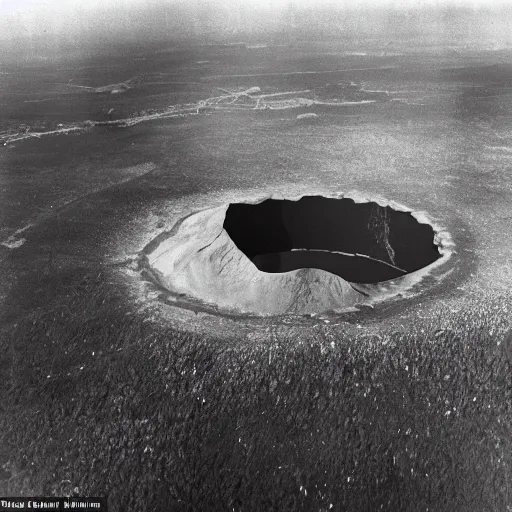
45 28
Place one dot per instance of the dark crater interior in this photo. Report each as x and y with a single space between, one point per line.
360 242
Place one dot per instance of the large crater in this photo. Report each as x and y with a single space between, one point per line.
304 256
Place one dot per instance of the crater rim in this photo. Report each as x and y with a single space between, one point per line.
400 288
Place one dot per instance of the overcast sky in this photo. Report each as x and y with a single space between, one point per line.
9 6
87 19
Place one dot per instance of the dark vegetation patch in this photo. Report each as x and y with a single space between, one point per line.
99 400
360 242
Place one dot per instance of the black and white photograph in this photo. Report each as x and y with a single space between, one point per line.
256 255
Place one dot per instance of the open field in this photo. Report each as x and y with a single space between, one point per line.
106 389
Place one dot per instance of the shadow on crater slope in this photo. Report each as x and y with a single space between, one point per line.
359 242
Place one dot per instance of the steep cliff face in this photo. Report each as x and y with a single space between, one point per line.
202 261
